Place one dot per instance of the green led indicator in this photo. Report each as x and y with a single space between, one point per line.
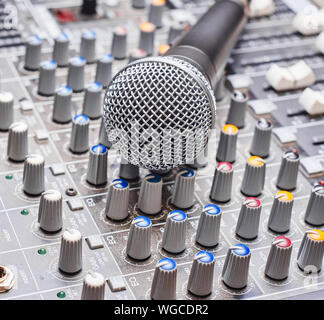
42 251
9 176
61 294
24 212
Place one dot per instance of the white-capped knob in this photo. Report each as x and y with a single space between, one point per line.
93 286
17 147
6 110
34 175
50 216
70 260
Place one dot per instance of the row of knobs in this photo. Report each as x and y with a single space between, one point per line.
236 266
150 195
60 56
235 270
234 274
87 55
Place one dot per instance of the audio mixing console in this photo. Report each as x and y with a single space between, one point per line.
243 222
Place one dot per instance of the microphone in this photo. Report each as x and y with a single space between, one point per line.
158 111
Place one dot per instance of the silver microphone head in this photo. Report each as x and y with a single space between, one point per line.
158 112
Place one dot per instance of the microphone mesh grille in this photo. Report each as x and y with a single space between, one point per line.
154 108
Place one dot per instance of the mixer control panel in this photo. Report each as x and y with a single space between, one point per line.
77 221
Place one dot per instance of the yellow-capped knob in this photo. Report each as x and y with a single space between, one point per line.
255 161
284 196
316 234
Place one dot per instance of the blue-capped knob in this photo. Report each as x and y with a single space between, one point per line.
201 276
97 165
209 226
236 267
164 282
75 78
139 238
150 196
174 235
79 141
184 188
117 200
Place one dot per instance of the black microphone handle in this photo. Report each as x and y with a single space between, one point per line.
208 44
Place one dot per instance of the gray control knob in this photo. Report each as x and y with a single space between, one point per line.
221 189
137 54
164 282
237 111
175 31
79 141
174 235
247 226
128 171
75 79
139 238
61 50
34 175
184 188
88 46
310 254
281 211
156 12
287 176
92 103
103 137
17 147
227 144
117 200
315 208
236 267
33 53
254 177
62 108
93 286
6 110
104 70
208 230
139 4
150 196
50 217
278 262
97 165
201 276
70 259
119 43
261 138
147 33
47 78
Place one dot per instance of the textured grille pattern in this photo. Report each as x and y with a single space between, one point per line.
158 112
